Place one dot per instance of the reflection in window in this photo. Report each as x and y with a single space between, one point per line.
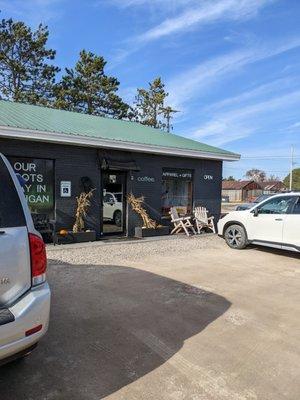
278 205
177 190
113 198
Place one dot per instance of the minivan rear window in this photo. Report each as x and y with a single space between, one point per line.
11 211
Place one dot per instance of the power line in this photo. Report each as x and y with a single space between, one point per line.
268 157
267 170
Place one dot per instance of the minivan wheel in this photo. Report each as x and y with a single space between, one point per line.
235 236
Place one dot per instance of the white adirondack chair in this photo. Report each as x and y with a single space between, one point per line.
181 223
202 220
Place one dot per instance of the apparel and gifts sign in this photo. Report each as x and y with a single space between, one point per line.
38 175
181 174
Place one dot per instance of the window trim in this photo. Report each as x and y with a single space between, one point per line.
13 189
293 207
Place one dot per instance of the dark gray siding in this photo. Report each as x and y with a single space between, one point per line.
205 192
72 163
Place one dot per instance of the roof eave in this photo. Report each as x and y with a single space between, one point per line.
79 140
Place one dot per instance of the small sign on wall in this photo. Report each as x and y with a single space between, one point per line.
147 179
65 189
112 178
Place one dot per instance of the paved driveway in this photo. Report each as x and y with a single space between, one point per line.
134 322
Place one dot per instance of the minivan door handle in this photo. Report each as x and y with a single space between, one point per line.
2 232
278 219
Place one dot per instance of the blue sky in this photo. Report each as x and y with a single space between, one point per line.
232 67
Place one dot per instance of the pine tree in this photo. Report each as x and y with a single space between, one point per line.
296 180
150 106
87 89
26 72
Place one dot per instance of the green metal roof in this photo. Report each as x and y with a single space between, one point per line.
43 119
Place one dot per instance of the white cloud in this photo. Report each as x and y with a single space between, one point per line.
294 127
32 11
139 3
238 123
266 89
193 14
207 12
185 86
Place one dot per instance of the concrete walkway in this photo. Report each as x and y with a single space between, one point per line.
161 321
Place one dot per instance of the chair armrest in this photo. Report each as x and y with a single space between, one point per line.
181 219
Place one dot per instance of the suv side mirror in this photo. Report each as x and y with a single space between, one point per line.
256 212
111 201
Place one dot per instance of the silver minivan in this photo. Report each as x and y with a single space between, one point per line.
24 292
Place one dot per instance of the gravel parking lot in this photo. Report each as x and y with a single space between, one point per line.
135 250
175 319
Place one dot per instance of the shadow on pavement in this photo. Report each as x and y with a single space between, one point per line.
110 325
279 252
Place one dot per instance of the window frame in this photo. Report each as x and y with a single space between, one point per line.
180 171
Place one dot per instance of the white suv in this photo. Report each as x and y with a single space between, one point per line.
274 222
112 208
24 292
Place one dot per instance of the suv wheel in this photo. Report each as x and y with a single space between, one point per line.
235 236
118 218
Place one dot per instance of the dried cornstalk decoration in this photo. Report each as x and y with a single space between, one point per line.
83 203
137 206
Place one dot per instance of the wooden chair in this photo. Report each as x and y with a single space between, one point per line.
202 220
181 223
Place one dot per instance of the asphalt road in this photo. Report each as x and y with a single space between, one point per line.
211 324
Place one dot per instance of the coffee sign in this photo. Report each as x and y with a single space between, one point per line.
37 174
147 179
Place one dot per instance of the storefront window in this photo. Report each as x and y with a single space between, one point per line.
177 190
38 186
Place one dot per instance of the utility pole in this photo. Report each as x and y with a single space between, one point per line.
292 167
168 111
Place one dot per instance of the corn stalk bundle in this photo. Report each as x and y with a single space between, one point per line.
137 206
83 203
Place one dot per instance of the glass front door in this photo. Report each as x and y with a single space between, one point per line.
113 202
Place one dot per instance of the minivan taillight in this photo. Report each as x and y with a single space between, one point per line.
38 259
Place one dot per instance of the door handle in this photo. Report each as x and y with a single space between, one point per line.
278 219
2 232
